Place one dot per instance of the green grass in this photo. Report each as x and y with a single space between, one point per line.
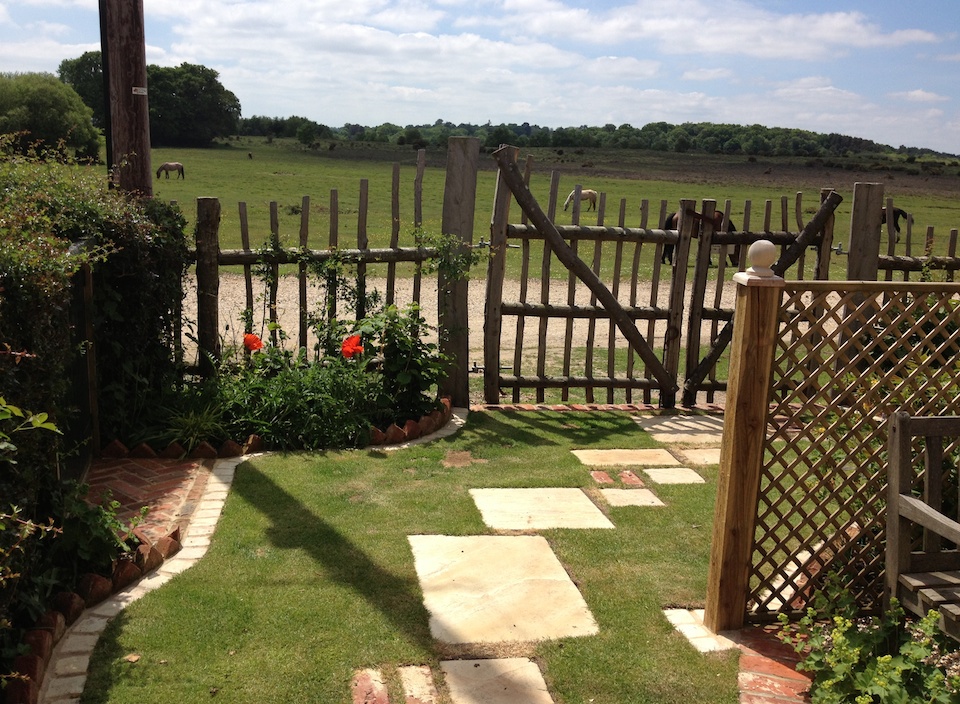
310 576
281 171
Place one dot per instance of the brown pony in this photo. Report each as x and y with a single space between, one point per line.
171 166
673 222
584 195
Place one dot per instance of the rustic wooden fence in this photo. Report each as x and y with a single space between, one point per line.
682 311
458 216
816 369
545 328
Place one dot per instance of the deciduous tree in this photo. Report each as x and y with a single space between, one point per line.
46 113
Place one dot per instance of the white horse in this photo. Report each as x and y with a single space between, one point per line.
584 195
171 166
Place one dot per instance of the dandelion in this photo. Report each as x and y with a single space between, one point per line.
252 342
351 346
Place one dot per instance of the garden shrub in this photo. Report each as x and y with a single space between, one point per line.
55 217
139 255
873 660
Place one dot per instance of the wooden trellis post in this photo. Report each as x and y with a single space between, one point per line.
864 256
744 430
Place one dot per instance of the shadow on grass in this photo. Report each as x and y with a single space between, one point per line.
539 428
295 526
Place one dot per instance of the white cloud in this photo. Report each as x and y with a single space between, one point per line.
49 29
548 62
706 74
34 56
919 96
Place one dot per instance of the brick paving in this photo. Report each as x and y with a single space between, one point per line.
168 488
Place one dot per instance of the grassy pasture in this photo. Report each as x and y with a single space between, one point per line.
282 171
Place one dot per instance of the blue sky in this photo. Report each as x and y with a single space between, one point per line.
878 69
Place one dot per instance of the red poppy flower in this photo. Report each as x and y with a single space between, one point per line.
252 342
351 346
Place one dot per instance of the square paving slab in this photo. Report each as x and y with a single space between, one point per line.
692 430
630 497
706 455
502 681
621 458
497 588
538 509
673 475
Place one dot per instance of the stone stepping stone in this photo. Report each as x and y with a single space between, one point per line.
673 475
538 509
710 455
631 497
690 430
690 625
635 458
497 588
499 681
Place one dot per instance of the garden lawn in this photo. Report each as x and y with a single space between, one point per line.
310 576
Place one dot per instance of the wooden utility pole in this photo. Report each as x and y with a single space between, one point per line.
125 89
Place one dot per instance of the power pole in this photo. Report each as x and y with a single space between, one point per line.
125 88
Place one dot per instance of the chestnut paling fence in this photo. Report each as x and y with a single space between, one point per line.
682 306
552 333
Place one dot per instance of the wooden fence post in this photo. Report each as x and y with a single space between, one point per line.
459 205
496 271
744 431
208 283
864 256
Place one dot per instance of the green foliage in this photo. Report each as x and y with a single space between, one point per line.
46 115
92 535
189 106
373 371
293 404
410 368
137 296
56 217
85 75
332 401
873 660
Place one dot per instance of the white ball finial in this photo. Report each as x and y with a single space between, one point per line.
762 254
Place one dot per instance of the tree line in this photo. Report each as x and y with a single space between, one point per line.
702 137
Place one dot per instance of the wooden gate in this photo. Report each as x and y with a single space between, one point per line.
623 326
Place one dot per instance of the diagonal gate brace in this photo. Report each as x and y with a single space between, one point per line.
510 172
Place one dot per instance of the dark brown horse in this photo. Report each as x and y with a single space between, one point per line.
897 214
673 222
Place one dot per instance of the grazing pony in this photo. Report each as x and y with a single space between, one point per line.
584 195
673 222
171 166
897 214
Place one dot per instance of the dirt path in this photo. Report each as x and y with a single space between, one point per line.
232 303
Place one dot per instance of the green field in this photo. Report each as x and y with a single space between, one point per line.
284 172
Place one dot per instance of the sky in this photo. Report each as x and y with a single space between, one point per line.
885 70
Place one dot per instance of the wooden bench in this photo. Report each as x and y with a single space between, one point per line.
924 573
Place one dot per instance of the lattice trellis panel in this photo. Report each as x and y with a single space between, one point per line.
849 354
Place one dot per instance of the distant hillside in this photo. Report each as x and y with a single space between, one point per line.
690 137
